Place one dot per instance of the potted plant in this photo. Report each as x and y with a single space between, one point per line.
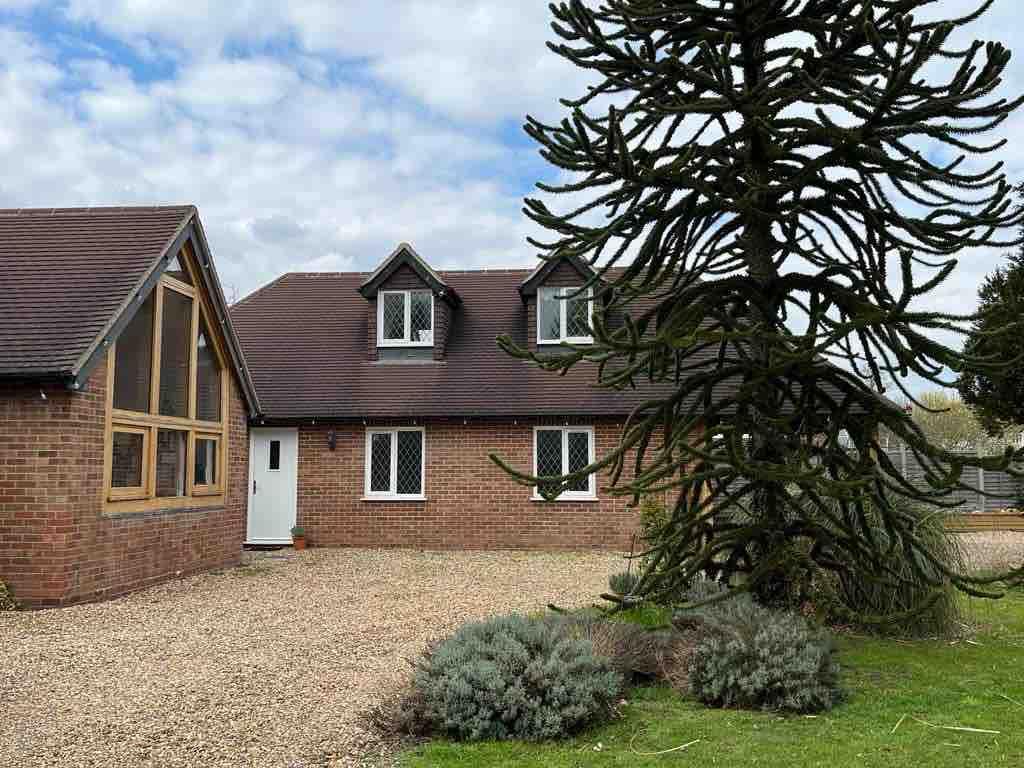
299 537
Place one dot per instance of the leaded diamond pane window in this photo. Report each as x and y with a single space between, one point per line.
380 462
549 315
410 463
560 451
406 318
394 466
577 322
549 454
579 457
393 316
420 317
562 315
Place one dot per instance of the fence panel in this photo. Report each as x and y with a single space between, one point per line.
995 490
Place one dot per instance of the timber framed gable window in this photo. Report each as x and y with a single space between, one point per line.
167 402
405 319
559 451
564 314
395 463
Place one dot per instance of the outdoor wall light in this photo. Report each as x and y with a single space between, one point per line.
332 439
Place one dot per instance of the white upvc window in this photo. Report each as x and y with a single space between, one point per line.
405 319
559 451
564 314
395 463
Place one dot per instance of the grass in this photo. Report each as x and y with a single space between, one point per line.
977 684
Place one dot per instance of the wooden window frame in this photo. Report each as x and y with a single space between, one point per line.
127 493
144 499
206 489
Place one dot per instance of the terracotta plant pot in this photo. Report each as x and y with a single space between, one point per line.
299 542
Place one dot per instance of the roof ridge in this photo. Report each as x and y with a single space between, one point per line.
356 273
58 211
263 288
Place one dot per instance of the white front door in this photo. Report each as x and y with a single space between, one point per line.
273 474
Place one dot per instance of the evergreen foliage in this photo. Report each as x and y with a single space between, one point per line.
751 657
997 394
514 677
908 605
623 583
7 601
757 169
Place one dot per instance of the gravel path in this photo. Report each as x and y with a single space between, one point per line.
994 550
269 664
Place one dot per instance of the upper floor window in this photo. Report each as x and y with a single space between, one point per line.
405 319
564 314
166 433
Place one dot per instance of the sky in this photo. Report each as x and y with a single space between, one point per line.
314 135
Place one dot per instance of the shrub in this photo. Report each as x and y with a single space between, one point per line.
751 657
515 677
908 603
7 601
623 583
637 653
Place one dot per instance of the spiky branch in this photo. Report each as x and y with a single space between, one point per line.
783 183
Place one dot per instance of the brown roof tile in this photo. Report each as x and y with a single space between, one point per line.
64 273
305 339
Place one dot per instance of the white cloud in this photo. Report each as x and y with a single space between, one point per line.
315 134
474 60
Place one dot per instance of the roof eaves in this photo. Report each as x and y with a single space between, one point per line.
216 292
529 286
87 360
406 254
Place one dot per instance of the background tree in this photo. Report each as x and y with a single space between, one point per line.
783 180
951 423
997 393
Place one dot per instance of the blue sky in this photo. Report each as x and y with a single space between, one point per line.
312 135
316 134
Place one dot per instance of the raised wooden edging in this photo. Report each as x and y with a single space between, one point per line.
986 521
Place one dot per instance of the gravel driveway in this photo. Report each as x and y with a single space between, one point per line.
269 664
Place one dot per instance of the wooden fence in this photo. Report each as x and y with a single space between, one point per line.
992 507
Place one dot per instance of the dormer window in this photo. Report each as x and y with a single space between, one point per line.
564 314
405 318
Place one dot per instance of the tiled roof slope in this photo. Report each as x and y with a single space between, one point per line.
305 339
64 272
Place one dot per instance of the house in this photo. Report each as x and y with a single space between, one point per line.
382 395
124 403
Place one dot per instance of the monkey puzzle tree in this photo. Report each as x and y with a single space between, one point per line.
769 190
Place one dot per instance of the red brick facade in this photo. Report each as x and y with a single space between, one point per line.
56 544
471 503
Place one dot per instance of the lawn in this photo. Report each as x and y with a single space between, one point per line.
977 684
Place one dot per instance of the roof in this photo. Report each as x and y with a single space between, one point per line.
406 255
68 277
306 339
536 278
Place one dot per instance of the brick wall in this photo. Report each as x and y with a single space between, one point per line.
471 503
56 545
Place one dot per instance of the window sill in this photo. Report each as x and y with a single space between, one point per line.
200 492
559 342
566 499
394 498
404 344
